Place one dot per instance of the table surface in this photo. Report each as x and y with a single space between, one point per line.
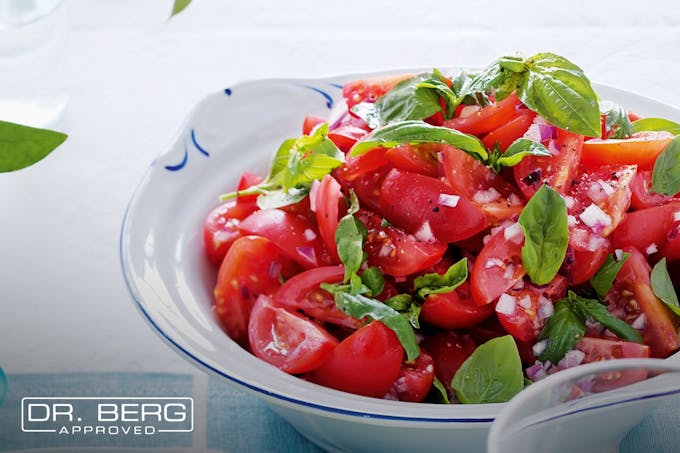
133 77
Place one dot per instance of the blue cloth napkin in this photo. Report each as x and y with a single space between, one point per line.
226 419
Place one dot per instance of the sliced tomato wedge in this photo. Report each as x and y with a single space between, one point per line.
488 118
253 266
365 363
248 180
422 159
347 134
288 341
415 379
221 228
295 235
455 309
423 206
449 350
310 122
598 349
522 311
394 251
632 297
498 266
366 185
557 170
642 195
327 209
370 90
648 230
303 293
641 149
364 164
504 135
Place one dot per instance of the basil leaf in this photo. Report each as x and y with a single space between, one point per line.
359 307
22 146
656 124
400 302
517 151
491 78
373 279
603 280
412 315
512 64
349 237
435 283
179 6
663 286
594 309
666 172
461 85
546 235
279 198
563 330
416 132
439 392
617 123
557 89
492 373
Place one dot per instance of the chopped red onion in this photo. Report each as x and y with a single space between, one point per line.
651 249
468 110
596 242
385 250
337 122
618 254
579 237
450 201
514 233
274 269
313 191
424 233
595 218
486 196
569 201
536 372
310 235
608 189
571 220
493 262
545 308
307 252
509 271
525 302
514 199
595 192
571 359
506 304
676 216
533 133
640 322
539 348
547 131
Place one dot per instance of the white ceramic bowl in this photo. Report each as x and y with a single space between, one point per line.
171 281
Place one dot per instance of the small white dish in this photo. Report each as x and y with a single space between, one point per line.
171 280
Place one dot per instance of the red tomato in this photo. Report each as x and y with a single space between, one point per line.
365 363
641 149
519 311
488 118
369 90
646 228
310 123
597 349
508 133
366 186
361 165
467 176
413 202
556 170
221 228
328 197
289 342
248 180
632 297
498 266
294 234
455 309
252 267
642 195
415 379
346 135
585 255
395 252
302 292
448 350
421 159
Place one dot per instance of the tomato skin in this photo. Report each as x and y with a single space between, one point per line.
581 263
310 122
221 228
415 379
497 267
420 159
370 90
364 164
631 296
288 341
598 349
448 350
455 309
557 170
508 133
366 186
327 210
488 118
524 322
365 363
245 273
648 226
294 234
641 149
642 195
346 135
248 180
302 292
408 200
394 251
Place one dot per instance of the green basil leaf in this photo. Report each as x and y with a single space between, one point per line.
435 283
603 279
412 315
517 151
546 235
349 237
491 78
666 172
595 310
373 279
656 124
663 286
279 198
416 132
400 302
438 392
557 89
512 64
469 96
22 146
492 373
359 307
616 120
179 6
563 330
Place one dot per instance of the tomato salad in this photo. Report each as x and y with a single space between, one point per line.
453 238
